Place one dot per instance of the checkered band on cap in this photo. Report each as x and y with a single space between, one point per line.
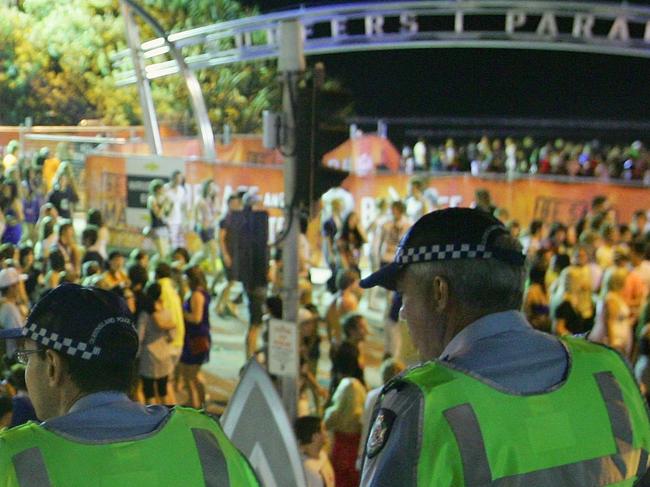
61 344
441 252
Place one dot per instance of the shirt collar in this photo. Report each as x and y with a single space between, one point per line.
98 399
484 327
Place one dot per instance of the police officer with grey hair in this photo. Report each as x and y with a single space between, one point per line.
496 403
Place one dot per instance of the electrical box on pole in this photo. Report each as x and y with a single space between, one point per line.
271 129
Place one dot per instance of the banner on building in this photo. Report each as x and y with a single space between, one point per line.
113 184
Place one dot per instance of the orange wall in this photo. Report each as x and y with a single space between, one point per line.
525 199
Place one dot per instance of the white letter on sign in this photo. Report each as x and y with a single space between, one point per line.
408 23
339 27
547 25
646 37
271 37
459 22
582 25
374 25
307 31
514 19
619 30
243 40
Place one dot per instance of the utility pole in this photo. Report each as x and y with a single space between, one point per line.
291 64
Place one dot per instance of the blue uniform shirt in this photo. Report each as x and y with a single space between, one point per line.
505 349
107 416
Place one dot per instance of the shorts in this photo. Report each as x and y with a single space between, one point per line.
160 232
256 298
206 234
154 387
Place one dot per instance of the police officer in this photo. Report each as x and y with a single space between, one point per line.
497 403
80 346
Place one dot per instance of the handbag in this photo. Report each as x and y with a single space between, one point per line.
198 345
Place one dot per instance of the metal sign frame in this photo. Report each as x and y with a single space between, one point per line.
544 25
589 27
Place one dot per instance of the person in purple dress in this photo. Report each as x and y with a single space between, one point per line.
12 208
33 196
196 347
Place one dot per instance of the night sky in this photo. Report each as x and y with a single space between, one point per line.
473 82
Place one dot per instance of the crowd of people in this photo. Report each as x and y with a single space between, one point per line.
589 276
603 161
41 249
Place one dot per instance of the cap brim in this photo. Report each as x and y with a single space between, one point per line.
21 277
385 277
12 333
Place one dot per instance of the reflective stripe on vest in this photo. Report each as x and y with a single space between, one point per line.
32 472
213 461
30 468
623 464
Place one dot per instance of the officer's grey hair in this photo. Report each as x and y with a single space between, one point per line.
479 284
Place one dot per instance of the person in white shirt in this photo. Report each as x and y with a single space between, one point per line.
420 154
311 440
392 232
389 239
205 218
614 324
179 215
416 203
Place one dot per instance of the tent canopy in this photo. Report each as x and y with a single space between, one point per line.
364 155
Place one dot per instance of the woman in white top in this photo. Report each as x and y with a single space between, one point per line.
614 323
47 238
206 211
155 330
159 207
94 217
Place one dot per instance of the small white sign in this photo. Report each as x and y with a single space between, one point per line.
283 348
140 171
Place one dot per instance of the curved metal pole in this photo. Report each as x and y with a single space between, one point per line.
149 118
196 95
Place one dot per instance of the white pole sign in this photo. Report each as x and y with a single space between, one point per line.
283 348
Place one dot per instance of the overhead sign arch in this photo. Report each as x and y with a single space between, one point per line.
614 29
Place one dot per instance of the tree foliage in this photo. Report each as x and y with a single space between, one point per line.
55 66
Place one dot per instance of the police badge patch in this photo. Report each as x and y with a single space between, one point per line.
379 432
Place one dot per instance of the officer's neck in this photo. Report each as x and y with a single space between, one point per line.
69 398
453 320
462 317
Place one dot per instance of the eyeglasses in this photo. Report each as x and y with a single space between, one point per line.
22 356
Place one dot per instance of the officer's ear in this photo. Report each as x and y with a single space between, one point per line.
440 291
56 367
